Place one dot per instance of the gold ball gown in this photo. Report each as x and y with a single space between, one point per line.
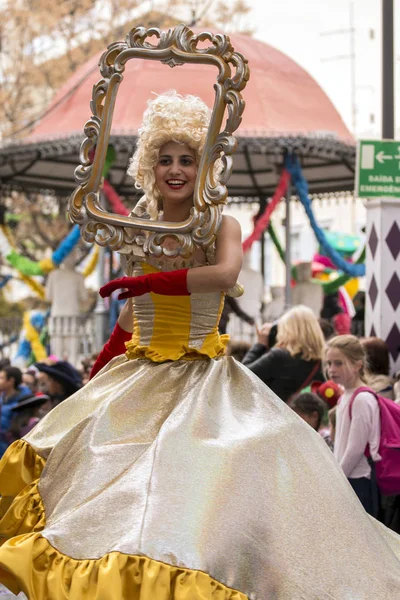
177 474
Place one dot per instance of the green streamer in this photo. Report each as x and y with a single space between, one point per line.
279 249
24 265
329 287
109 161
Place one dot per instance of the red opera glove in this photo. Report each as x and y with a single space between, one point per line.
170 283
114 347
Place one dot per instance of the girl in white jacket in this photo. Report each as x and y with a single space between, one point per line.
357 426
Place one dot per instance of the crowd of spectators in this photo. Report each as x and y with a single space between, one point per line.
28 395
289 356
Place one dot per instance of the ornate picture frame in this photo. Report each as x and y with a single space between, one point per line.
175 47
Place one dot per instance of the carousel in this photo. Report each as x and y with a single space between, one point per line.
291 142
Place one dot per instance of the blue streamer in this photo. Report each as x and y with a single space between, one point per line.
24 350
298 180
38 320
66 246
10 341
5 280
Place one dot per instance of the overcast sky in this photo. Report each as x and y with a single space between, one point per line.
302 30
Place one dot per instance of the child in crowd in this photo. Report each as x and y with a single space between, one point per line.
346 364
310 408
313 410
378 366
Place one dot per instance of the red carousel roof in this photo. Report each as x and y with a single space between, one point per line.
281 97
286 111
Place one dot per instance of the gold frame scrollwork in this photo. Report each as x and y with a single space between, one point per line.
175 47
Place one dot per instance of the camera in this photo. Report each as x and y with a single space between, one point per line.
273 332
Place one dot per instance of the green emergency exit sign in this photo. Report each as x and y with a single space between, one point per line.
378 169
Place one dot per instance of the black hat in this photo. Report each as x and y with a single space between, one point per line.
29 401
63 372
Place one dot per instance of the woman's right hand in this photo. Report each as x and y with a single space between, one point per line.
263 333
125 319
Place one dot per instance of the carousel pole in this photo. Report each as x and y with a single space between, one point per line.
382 232
387 70
101 333
101 314
288 261
263 205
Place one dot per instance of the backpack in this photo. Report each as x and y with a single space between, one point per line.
388 469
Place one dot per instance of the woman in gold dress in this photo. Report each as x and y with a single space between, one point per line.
175 473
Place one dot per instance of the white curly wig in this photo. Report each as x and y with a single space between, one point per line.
170 117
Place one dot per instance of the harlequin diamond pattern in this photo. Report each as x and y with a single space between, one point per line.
393 240
393 291
393 341
373 241
373 332
373 291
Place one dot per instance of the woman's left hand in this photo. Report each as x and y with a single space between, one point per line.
263 333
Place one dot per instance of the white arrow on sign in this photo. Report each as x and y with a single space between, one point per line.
381 157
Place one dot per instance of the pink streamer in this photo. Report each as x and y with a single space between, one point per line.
113 198
326 261
262 223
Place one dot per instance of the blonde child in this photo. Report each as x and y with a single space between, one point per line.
356 429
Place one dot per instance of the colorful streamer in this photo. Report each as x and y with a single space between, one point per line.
30 342
34 285
293 166
5 280
7 233
31 323
6 241
332 286
6 244
276 242
31 268
329 287
113 198
66 246
11 340
28 268
262 223
279 249
24 265
23 353
92 262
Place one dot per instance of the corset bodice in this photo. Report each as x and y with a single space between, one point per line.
174 327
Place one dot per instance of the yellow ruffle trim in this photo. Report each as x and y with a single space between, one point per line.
133 350
30 564
26 514
19 467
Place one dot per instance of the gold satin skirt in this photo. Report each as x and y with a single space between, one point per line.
195 475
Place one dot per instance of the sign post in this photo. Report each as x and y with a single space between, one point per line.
378 169
378 181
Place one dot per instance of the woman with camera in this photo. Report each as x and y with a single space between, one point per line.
288 354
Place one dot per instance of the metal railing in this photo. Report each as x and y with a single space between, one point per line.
10 329
71 338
